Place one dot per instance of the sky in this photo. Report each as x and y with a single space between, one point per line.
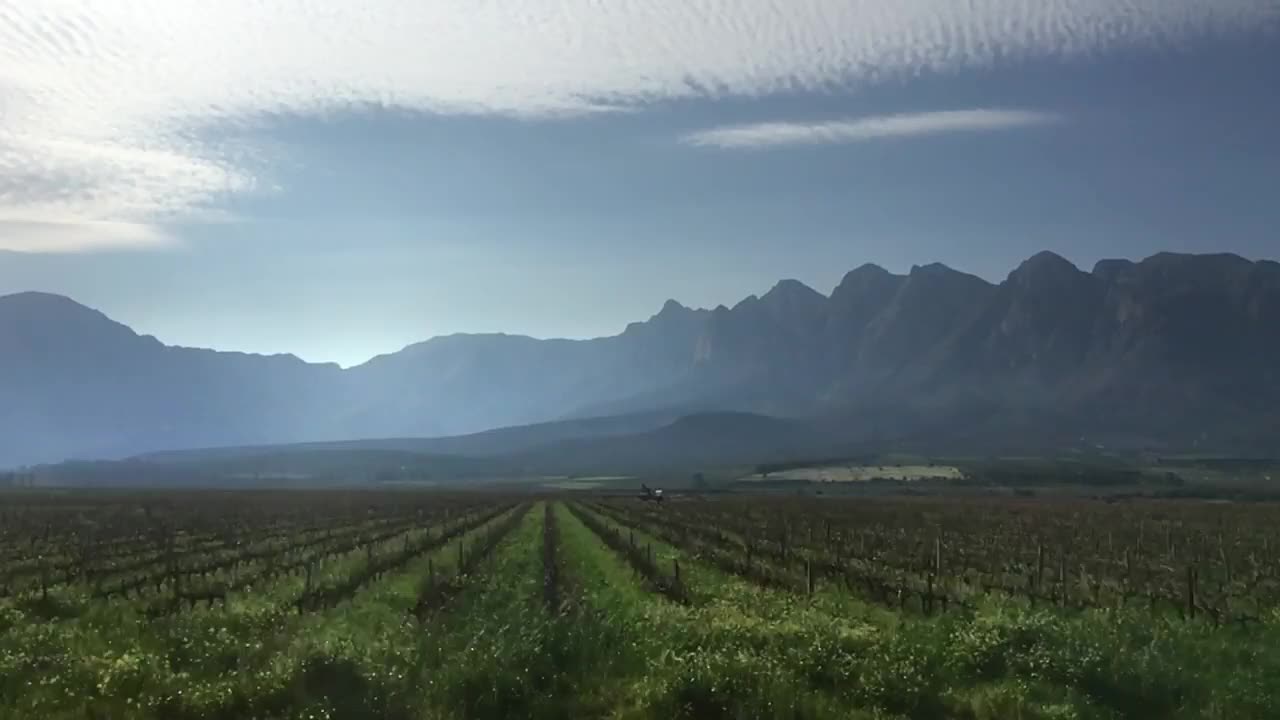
339 180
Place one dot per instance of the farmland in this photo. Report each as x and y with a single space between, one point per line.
861 473
409 604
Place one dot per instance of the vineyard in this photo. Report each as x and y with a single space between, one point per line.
333 604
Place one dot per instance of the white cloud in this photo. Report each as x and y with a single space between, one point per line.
78 235
773 134
102 103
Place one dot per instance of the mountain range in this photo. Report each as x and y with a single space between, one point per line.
1176 351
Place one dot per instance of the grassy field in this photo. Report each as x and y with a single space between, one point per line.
588 482
861 473
418 605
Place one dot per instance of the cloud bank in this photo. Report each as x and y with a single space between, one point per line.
104 106
774 134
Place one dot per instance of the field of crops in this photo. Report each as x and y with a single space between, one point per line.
436 605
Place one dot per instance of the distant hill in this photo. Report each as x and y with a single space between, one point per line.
599 446
1176 352
490 443
702 440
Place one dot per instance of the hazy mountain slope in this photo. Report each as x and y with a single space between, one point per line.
1175 350
75 383
860 297
1189 348
468 383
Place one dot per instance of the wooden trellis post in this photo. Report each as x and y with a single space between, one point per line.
1062 580
1191 592
1039 566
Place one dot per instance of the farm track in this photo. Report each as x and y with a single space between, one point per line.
638 556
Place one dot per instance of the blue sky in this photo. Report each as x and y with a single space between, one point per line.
338 184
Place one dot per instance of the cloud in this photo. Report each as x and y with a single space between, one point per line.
78 235
773 134
105 106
